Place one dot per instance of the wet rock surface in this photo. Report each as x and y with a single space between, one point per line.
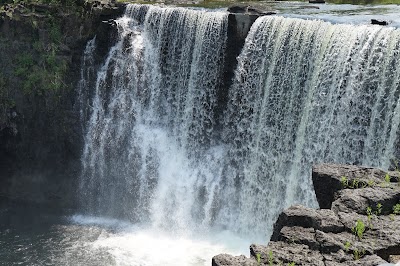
40 133
362 226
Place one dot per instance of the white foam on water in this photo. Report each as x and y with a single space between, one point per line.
134 246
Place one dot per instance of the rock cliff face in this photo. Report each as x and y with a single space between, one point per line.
40 138
358 223
40 128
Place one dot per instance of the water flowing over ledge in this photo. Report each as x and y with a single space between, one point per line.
157 152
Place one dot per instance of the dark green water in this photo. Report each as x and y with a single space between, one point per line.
30 235
35 236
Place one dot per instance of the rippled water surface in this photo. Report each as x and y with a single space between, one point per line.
31 236
335 13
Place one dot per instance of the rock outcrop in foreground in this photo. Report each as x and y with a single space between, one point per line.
358 223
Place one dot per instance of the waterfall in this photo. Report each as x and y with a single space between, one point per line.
305 92
151 153
157 152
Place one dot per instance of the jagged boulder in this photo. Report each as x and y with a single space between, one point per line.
282 252
328 179
360 227
379 22
370 260
358 200
324 220
229 260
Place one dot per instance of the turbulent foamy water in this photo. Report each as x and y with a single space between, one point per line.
159 155
42 238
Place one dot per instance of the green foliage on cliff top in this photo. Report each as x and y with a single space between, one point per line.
226 3
42 8
33 64
52 2
42 74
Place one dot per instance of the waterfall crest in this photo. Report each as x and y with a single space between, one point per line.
156 151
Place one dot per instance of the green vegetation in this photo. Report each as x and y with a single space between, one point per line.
378 209
258 256
45 8
396 209
291 264
32 61
42 74
40 70
270 258
225 3
347 245
387 178
355 183
51 2
359 229
344 181
358 254
371 183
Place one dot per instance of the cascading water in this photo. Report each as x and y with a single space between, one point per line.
150 152
158 153
308 92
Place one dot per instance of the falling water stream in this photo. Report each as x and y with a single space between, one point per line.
170 179
158 155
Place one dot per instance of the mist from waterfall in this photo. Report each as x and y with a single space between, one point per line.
157 152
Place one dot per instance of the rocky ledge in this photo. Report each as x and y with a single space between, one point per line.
358 223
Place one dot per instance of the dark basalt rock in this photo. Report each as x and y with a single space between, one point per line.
249 10
40 133
308 7
324 220
229 260
369 260
257 11
327 180
238 9
283 252
379 22
239 25
357 200
298 235
327 237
